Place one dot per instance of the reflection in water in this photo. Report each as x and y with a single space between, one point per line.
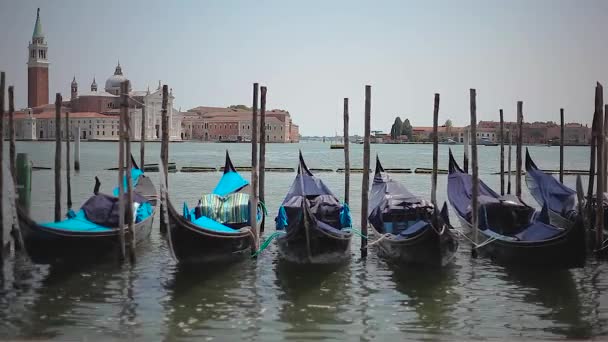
311 298
263 300
556 291
430 293
209 300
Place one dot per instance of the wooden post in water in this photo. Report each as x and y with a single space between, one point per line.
600 139
77 149
346 154
502 154
16 231
467 138
24 184
142 141
435 152
509 162
605 148
67 160
592 165
520 123
127 141
254 168
58 100
163 156
121 182
11 132
561 145
3 193
262 165
365 182
474 169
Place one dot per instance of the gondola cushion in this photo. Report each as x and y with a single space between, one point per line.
230 209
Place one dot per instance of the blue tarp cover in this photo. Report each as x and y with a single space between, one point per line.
547 189
230 182
459 194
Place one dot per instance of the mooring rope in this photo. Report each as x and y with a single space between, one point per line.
263 208
267 242
475 245
604 246
360 234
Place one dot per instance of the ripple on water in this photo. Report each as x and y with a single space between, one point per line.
266 300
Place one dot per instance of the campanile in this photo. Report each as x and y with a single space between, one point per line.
37 68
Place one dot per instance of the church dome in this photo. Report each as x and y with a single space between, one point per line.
113 82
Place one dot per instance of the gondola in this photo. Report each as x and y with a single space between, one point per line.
410 230
316 225
512 232
218 230
83 235
564 210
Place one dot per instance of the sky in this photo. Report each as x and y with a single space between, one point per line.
312 54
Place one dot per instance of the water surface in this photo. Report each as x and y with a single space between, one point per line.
265 300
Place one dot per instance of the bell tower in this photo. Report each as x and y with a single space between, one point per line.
37 68
74 89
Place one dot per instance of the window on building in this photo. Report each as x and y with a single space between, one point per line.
103 132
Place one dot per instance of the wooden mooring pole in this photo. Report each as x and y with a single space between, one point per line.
127 142
11 132
16 231
24 182
58 100
163 154
121 182
142 143
605 157
67 161
466 138
502 153
600 140
346 154
518 148
510 137
435 152
592 166
254 167
3 193
561 145
475 170
365 182
77 149
262 166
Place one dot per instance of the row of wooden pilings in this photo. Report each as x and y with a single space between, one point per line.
21 174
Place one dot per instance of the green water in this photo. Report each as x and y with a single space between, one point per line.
264 300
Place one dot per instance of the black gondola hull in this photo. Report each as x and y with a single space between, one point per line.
193 244
324 249
429 248
45 245
566 250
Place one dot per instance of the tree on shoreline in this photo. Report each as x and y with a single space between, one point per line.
396 128
239 107
406 129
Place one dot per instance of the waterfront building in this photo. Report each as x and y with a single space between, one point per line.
234 125
96 112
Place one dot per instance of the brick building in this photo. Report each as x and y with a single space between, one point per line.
234 125
96 111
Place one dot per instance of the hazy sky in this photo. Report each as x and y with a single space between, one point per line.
312 54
